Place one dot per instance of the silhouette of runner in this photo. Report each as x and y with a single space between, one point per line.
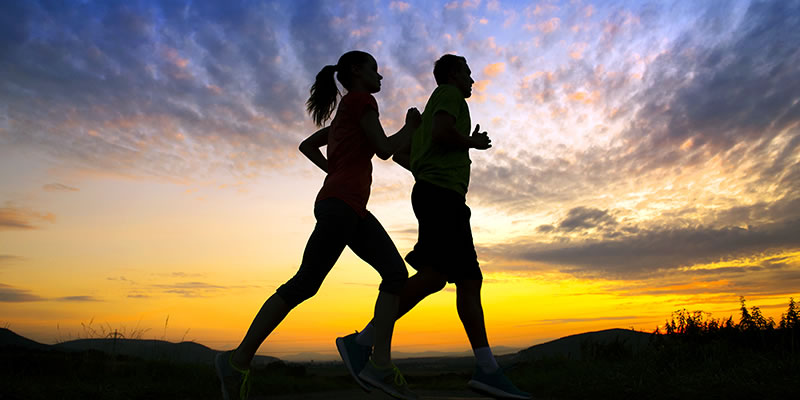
353 137
438 157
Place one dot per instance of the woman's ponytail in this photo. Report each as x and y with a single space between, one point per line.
324 95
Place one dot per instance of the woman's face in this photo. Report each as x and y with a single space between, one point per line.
368 74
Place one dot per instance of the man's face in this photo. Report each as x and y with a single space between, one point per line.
462 79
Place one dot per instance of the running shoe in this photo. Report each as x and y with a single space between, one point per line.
354 356
235 381
388 379
495 384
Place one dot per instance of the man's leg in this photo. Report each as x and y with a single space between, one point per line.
488 377
470 311
419 286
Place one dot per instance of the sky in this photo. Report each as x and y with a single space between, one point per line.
645 160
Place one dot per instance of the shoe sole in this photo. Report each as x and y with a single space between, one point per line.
390 392
485 389
342 348
220 358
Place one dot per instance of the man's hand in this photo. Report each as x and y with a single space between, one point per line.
480 140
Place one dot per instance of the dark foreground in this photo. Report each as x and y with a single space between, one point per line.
714 370
695 357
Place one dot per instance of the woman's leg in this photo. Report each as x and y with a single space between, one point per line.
269 316
372 244
336 222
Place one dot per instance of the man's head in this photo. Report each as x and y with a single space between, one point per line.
452 69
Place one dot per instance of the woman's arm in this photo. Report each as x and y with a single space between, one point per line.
386 146
310 148
403 155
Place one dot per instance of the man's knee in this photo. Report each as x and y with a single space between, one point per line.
469 287
435 281
435 285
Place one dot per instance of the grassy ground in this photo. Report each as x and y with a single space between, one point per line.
668 369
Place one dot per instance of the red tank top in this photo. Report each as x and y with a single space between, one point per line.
349 154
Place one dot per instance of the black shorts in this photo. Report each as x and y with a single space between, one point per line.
445 236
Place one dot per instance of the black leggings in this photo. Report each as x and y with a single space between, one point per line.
338 225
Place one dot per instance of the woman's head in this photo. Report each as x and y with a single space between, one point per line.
354 70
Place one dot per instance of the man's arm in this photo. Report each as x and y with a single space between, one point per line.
444 133
311 145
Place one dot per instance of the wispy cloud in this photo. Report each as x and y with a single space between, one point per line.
58 187
8 259
11 294
14 218
185 289
77 299
560 321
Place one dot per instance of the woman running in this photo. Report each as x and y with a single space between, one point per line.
353 137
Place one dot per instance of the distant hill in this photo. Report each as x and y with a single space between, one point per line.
184 352
191 352
571 346
333 356
9 338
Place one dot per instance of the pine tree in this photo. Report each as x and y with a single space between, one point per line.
791 319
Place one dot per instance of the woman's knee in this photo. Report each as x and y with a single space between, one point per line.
294 293
394 283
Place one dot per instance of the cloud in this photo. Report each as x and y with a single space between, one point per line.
400 6
560 321
492 70
641 253
540 9
77 299
742 89
12 218
188 289
8 259
147 87
10 294
58 187
586 218
720 95
546 27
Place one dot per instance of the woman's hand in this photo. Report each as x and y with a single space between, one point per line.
413 118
